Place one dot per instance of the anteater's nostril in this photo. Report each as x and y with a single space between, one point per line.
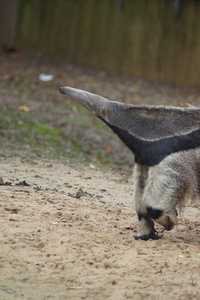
61 90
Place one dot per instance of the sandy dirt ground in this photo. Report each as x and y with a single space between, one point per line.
67 232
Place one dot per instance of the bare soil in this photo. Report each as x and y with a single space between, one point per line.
67 232
67 229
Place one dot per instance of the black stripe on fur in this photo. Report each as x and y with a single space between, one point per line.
152 153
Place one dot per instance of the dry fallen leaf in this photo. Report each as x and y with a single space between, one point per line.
186 105
24 108
96 160
110 149
90 263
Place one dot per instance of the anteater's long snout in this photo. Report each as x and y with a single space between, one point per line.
72 92
92 102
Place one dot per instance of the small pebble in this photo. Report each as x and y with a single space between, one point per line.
84 296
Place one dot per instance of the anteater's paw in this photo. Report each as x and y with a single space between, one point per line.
152 236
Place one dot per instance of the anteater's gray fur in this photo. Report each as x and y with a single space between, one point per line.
166 145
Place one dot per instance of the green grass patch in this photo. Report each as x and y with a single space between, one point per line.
56 128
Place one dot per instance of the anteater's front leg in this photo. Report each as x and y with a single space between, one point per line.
146 228
164 189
